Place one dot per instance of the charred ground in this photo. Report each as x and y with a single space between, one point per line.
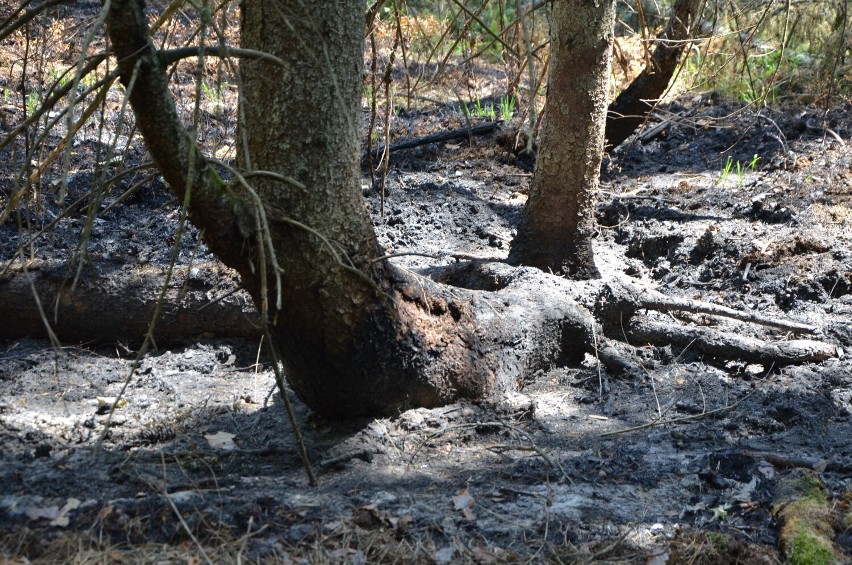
526 477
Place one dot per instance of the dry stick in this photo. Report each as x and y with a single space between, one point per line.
161 298
169 56
71 208
372 12
552 464
373 97
653 300
273 353
72 99
825 131
404 53
435 47
174 508
496 37
13 22
386 154
449 135
678 420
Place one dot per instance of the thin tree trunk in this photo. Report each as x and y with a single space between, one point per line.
558 219
631 107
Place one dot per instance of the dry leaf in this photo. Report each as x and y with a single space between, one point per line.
221 440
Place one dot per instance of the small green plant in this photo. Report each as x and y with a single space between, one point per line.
726 170
739 168
32 101
214 95
507 108
480 110
753 163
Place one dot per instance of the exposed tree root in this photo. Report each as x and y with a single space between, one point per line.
520 330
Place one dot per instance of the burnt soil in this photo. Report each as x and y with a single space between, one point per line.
201 443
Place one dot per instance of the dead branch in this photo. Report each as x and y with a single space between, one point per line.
458 133
729 345
632 298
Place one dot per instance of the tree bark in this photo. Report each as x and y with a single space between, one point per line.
631 107
558 222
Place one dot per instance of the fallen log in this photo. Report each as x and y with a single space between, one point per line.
634 297
113 302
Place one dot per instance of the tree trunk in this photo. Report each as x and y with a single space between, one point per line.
350 341
357 335
558 219
632 106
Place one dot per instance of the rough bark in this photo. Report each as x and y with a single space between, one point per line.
558 219
631 107
189 310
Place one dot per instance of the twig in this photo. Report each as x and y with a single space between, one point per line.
550 462
183 523
678 420
458 133
650 299
170 56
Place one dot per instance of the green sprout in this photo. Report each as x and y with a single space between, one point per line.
214 95
32 101
726 170
481 110
753 163
739 168
507 108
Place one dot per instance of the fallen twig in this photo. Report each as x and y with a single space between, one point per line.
729 345
678 420
458 133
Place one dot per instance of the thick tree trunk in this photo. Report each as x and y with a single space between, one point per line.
632 106
559 217
351 342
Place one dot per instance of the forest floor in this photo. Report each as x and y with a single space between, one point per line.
681 465
199 457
